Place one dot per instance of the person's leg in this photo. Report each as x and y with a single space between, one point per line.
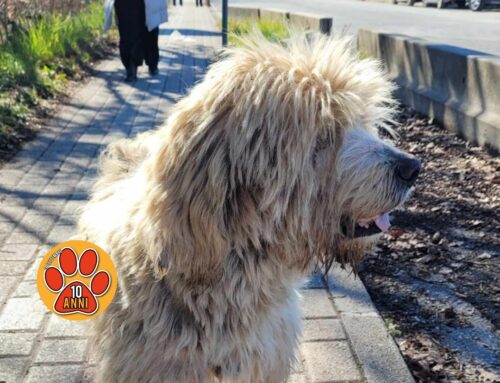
131 20
121 11
152 51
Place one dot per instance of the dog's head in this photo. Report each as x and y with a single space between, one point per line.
278 148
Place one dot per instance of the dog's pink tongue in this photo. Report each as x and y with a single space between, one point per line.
383 222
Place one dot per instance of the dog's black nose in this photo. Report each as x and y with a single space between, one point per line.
408 168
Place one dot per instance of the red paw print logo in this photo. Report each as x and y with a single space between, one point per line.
77 286
76 297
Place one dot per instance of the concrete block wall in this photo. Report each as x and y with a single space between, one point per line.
458 87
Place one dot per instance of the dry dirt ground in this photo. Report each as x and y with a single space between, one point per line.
435 275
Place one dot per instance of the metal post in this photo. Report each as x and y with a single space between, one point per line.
224 22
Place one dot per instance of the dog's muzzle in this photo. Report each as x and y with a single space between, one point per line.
406 169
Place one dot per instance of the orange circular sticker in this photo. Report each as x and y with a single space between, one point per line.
76 280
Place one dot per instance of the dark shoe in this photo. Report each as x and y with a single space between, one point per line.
131 74
153 71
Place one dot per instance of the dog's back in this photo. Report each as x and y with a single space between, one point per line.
122 157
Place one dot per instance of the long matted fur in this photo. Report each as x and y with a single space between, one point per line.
213 219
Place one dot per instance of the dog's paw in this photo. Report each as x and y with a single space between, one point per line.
74 295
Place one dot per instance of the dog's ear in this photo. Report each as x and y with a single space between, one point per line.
227 179
184 223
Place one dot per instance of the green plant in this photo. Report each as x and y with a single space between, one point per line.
273 30
12 115
392 327
40 53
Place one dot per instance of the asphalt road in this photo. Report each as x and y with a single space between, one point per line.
478 31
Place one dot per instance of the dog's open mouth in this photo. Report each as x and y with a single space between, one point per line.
370 226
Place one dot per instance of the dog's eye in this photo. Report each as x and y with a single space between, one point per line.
323 141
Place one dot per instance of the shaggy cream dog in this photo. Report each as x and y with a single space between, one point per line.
214 219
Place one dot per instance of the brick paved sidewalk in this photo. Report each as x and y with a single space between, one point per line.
41 189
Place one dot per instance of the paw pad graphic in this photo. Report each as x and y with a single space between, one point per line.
76 296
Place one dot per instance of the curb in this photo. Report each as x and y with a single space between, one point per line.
375 349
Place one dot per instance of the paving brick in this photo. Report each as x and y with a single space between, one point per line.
18 199
18 237
322 329
49 156
61 350
29 154
296 378
52 199
61 146
73 206
51 209
26 289
329 362
33 269
66 178
11 177
30 179
316 304
45 169
59 327
11 213
11 369
9 268
349 292
18 252
60 233
58 189
378 354
37 223
28 189
22 314
54 374
7 227
7 284
16 344
68 219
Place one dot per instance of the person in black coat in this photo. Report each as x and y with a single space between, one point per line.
137 44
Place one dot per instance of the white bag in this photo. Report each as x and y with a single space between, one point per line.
156 13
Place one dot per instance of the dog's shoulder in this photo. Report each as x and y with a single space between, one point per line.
122 157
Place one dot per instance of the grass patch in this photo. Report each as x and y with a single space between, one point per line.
273 30
39 56
392 327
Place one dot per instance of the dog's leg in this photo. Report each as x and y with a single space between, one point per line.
275 345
